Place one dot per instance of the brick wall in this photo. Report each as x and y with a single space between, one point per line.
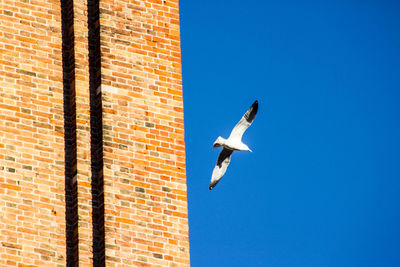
144 159
32 201
92 153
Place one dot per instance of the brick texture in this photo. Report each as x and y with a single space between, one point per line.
92 152
144 152
32 200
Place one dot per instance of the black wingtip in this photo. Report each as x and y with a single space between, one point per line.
212 185
255 106
251 113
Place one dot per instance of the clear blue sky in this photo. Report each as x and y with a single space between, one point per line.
322 186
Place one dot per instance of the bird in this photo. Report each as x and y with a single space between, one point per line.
233 143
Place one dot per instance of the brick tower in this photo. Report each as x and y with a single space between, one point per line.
92 152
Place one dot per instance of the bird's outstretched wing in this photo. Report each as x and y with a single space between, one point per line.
223 161
245 122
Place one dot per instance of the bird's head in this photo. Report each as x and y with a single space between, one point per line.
219 142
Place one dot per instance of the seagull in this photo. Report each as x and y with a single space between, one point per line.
234 142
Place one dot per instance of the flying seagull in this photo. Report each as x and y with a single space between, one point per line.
234 142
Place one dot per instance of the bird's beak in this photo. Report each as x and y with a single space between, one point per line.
250 150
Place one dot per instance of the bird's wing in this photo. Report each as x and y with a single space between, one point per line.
220 168
245 122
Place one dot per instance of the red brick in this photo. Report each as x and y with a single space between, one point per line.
143 134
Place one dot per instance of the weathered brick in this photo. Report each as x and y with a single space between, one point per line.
122 131
18 97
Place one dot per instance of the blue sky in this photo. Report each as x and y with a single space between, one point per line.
322 186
